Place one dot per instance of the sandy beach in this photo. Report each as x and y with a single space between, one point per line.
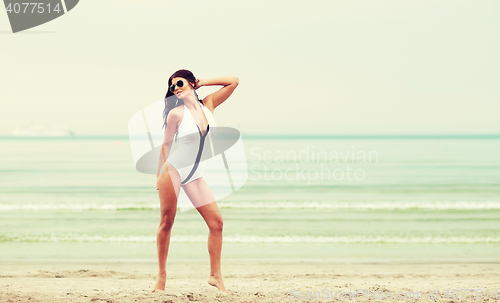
247 281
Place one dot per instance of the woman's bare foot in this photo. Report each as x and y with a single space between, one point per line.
217 282
160 282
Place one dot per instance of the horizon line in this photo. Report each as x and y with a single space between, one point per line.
284 136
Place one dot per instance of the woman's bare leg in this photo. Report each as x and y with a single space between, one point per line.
213 218
202 198
168 190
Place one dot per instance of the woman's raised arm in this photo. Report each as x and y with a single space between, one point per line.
215 99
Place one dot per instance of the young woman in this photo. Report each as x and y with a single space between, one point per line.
185 116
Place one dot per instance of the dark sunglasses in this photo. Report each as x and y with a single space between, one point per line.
179 83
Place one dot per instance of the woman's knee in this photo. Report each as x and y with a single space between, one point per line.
166 223
216 225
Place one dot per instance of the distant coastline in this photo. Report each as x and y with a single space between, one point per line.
35 130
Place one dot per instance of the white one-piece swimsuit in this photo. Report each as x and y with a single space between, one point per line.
185 157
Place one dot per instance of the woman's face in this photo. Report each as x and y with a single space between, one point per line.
180 92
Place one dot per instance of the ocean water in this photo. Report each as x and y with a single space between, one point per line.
339 198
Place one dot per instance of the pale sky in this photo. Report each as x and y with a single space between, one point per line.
305 67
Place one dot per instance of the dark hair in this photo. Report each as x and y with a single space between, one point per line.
171 100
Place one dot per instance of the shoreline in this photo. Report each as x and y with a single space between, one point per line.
237 261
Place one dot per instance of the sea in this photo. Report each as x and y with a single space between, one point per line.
352 198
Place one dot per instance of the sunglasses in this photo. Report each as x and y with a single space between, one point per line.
179 83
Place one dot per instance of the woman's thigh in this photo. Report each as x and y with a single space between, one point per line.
199 192
168 188
203 199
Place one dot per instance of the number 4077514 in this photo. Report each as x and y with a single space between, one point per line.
36 8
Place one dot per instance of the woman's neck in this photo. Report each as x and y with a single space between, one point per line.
191 101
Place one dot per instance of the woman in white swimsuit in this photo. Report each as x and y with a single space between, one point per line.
186 117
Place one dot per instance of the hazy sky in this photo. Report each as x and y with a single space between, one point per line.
323 67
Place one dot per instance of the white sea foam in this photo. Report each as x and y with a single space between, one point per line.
353 205
76 206
375 205
347 205
351 239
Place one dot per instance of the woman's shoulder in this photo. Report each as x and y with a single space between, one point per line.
176 113
178 109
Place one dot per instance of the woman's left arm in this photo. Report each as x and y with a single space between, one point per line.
215 99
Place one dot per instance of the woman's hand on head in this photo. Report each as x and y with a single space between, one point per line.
197 83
